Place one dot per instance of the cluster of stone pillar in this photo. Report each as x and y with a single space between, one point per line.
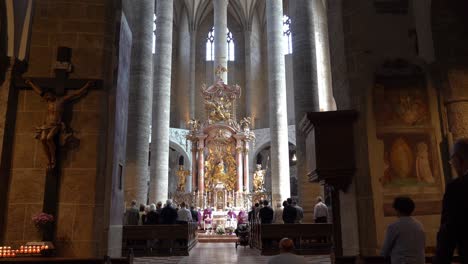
137 171
140 100
280 183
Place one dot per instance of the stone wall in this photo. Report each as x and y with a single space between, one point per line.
371 38
84 27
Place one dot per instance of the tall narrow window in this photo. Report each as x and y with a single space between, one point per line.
154 34
287 41
210 45
230 44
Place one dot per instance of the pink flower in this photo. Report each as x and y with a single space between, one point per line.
42 219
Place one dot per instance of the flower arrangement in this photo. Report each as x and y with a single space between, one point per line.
230 230
220 230
42 220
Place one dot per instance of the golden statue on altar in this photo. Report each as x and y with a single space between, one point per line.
220 167
218 110
259 179
182 177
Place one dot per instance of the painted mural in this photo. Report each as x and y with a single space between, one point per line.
408 160
403 123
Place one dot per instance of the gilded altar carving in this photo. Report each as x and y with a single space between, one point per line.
182 178
219 99
220 167
219 140
259 179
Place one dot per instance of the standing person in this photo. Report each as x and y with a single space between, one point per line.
142 215
257 208
266 213
207 218
300 212
132 214
159 207
241 217
251 214
183 214
152 218
289 212
453 231
286 256
194 214
405 239
320 211
279 213
168 214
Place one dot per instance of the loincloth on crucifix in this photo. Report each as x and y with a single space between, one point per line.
65 135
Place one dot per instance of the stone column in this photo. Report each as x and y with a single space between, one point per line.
246 167
161 102
240 169
201 171
220 31
277 95
306 97
248 75
324 76
201 164
194 167
193 88
457 103
140 100
8 109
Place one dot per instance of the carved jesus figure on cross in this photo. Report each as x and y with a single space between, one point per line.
53 124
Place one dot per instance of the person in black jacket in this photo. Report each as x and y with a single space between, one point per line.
168 214
289 213
266 213
152 218
453 232
194 214
253 213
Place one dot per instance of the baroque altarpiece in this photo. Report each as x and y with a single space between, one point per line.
220 147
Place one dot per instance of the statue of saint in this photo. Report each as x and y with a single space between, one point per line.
259 179
182 176
245 124
53 124
219 175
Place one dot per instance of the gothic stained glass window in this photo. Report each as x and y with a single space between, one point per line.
287 41
210 45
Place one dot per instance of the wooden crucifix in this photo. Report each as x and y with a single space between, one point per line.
53 133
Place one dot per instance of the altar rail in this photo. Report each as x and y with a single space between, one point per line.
159 240
47 260
309 239
377 260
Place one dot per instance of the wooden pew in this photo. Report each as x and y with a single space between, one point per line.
377 260
47 260
157 240
309 239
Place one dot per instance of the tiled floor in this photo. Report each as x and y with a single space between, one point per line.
208 253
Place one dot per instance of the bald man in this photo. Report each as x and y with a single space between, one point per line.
453 232
286 256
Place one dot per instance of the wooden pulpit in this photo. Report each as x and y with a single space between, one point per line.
330 157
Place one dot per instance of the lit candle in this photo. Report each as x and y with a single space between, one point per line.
46 247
